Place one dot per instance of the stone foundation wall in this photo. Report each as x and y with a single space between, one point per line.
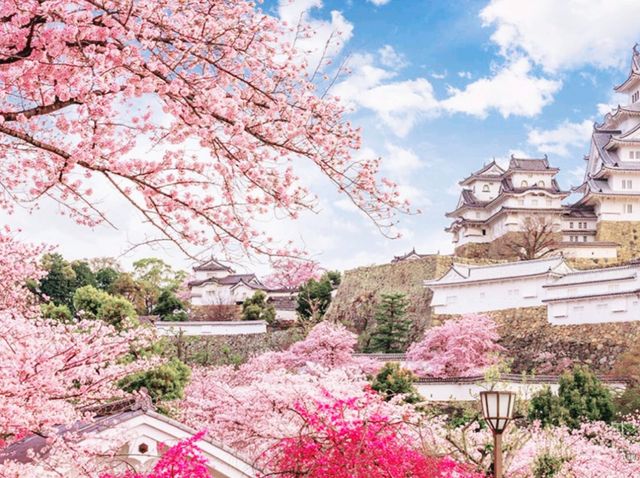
528 337
627 234
498 249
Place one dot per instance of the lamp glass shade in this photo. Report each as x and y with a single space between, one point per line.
497 408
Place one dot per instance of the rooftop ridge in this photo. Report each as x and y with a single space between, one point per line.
510 263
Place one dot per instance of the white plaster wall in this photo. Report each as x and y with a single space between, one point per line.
488 296
595 310
612 208
448 391
589 252
245 327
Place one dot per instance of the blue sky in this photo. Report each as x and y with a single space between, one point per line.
439 89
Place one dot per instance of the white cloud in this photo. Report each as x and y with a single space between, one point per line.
510 91
568 34
379 2
439 76
398 104
331 35
560 139
403 161
390 58
465 74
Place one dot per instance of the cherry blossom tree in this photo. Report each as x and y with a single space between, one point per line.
290 273
193 111
51 370
461 347
344 439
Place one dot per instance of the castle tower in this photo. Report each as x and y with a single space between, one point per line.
611 185
495 202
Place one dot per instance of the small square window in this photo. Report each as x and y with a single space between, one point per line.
571 225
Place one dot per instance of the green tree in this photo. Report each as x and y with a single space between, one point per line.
256 307
58 284
106 277
391 334
165 382
153 276
95 304
169 306
314 296
87 301
83 274
116 310
581 397
393 380
61 313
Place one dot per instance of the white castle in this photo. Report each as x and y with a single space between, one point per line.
495 201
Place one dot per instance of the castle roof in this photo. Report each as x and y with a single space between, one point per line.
465 273
634 74
530 164
412 254
489 171
212 265
232 280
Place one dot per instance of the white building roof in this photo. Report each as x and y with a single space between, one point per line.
465 273
597 275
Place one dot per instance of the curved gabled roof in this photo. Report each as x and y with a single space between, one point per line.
489 171
465 273
634 74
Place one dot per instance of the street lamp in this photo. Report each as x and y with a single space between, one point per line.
497 410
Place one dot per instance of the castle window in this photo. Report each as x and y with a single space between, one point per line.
484 232
549 203
541 184
584 238
628 208
520 202
628 183
485 188
524 184
571 225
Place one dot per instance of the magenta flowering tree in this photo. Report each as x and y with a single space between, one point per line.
460 347
124 90
345 439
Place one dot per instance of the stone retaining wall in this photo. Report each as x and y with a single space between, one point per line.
626 234
533 343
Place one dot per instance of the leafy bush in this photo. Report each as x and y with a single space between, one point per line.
257 308
169 306
61 313
165 382
547 465
314 296
96 304
581 397
393 380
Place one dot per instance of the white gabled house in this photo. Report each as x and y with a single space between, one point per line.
472 288
145 431
595 296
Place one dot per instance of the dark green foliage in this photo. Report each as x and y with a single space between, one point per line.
168 305
256 307
547 407
105 278
314 296
393 380
95 304
165 382
547 465
83 274
581 397
391 334
58 284
60 313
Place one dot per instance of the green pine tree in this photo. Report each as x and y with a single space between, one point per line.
391 334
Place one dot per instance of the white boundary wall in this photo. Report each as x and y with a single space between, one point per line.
243 327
